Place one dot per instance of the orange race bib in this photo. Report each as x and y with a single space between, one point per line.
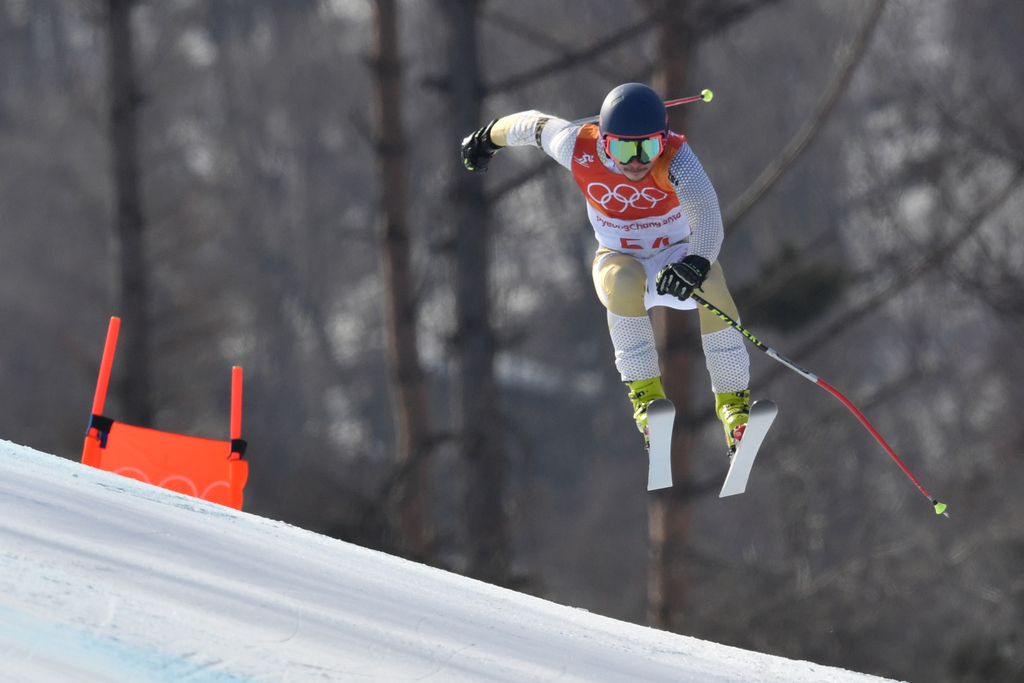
639 218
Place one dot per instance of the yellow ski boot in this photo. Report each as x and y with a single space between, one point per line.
641 393
733 409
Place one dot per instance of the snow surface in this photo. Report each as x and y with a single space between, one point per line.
103 578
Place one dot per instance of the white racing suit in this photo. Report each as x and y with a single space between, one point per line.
641 227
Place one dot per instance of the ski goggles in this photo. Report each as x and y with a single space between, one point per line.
624 150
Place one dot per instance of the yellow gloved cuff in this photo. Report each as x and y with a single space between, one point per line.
499 131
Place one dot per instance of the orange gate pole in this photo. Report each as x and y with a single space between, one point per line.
236 407
91 453
238 468
105 364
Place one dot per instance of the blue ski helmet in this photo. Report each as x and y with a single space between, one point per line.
633 110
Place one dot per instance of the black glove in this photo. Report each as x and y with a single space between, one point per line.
680 279
477 149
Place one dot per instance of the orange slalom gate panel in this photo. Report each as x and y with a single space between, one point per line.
185 464
204 468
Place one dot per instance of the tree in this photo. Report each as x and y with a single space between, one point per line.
407 380
679 345
134 347
474 343
680 27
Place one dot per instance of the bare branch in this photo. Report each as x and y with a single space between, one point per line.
712 21
974 134
798 145
907 276
538 38
714 18
518 181
573 59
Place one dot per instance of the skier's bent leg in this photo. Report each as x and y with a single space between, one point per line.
620 281
726 356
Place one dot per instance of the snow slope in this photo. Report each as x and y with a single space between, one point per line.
106 579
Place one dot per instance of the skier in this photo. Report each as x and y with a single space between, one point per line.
659 230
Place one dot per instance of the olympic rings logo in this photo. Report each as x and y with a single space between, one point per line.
623 196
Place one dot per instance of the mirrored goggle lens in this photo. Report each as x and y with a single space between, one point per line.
624 151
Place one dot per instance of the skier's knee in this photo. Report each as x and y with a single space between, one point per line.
621 283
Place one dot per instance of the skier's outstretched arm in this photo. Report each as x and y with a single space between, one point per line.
555 136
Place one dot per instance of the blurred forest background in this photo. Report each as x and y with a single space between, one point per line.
275 184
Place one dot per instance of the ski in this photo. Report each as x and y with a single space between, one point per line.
661 414
762 414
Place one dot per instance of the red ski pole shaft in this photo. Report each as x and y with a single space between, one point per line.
878 437
940 508
704 96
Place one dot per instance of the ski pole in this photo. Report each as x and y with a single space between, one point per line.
940 508
704 96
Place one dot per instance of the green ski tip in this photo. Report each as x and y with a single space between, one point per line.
706 95
940 508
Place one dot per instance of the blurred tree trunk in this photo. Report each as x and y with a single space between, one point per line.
134 342
681 24
475 344
678 343
408 384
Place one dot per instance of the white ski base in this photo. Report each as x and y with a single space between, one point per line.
762 414
661 415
